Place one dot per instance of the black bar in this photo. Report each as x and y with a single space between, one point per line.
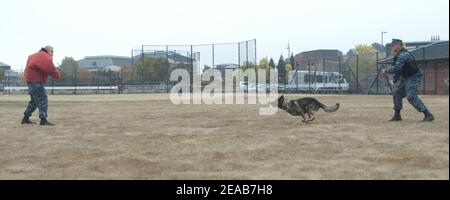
226 189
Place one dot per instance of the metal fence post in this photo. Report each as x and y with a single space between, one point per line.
119 87
309 77
142 62
296 79
349 78
3 86
239 54
323 73
109 78
76 80
168 69
98 80
192 70
256 58
339 73
132 65
357 73
424 70
53 85
377 72
246 52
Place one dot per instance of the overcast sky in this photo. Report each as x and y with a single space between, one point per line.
81 28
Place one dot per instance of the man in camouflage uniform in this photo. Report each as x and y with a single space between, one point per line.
408 76
39 67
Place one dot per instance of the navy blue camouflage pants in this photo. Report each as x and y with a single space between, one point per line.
39 100
408 88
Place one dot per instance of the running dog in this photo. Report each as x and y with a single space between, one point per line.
304 106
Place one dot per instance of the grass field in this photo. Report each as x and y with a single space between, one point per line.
147 137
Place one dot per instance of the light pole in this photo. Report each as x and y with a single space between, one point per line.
382 40
289 50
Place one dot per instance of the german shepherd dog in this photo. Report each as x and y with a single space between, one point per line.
302 106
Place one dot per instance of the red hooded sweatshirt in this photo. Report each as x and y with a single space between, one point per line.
39 67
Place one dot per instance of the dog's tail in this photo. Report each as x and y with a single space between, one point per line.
330 108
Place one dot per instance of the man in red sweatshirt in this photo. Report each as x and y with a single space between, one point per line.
39 67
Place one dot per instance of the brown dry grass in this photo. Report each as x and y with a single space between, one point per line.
146 137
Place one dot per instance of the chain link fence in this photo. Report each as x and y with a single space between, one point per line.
357 74
151 66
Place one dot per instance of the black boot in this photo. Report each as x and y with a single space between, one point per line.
397 116
428 116
44 122
26 120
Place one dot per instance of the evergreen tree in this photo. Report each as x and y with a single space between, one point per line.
281 70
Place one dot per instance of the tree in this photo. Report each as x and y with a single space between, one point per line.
68 67
152 69
364 49
364 64
288 67
281 67
265 64
126 73
248 65
106 76
292 62
272 64
84 75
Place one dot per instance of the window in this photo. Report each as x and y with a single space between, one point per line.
308 78
319 78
